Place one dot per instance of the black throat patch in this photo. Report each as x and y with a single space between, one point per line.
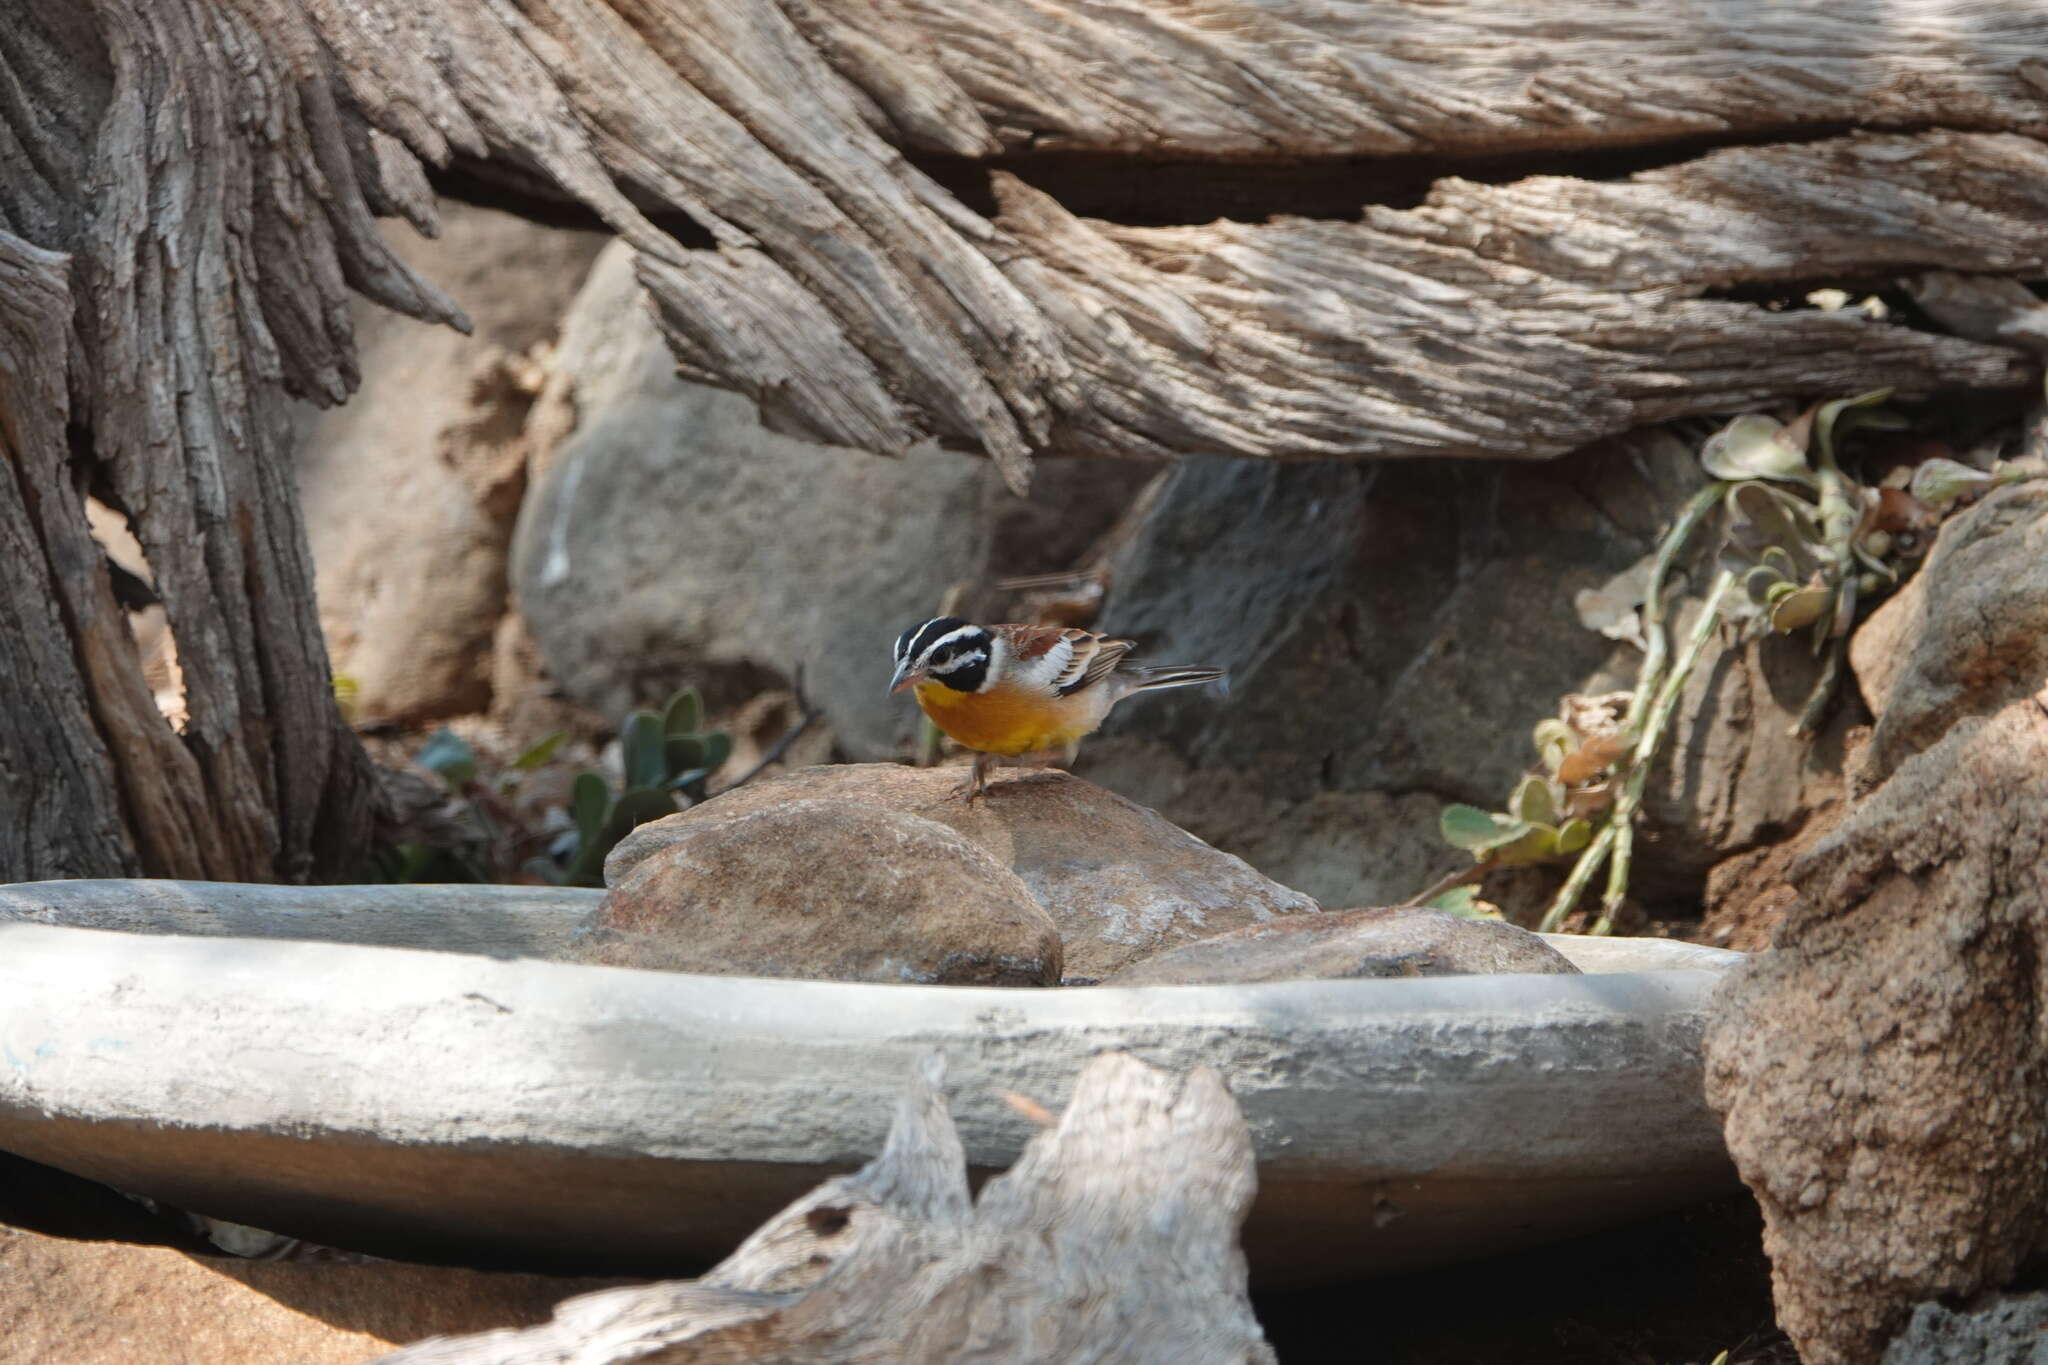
959 657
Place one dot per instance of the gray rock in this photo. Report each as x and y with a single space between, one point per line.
1352 943
1119 881
674 539
1393 634
828 890
2010 1329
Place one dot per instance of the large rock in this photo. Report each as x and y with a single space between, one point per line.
831 890
114 1303
1118 881
410 488
1393 634
673 538
1351 943
1883 1073
1967 634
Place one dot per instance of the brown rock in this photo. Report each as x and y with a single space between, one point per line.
827 889
1967 634
1118 880
1883 1073
410 490
1408 941
1748 894
114 1303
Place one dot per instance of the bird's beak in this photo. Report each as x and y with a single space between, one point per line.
906 674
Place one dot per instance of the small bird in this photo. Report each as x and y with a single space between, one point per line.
1009 691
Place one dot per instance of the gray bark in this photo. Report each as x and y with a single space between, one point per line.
182 226
1113 1238
861 303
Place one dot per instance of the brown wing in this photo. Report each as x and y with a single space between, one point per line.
1090 657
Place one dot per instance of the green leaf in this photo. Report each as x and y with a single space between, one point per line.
1573 835
717 749
1534 801
1759 581
684 752
540 752
1554 740
640 750
1799 607
684 713
448 754
1754 446
1462 828
1824 420
1939 482
1534 845
1464 902
589 801
1469 828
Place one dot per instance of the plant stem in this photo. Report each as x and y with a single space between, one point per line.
1823 687
1451 880
1582 872
1655 640
1622 816
1617 877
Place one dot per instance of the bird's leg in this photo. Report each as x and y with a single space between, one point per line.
977 778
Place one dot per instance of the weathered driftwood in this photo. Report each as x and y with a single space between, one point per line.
189 186
858 301
1113 1238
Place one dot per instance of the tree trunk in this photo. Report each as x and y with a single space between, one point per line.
1114 1237
177 235
188 188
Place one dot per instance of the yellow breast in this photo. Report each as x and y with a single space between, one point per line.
1009 721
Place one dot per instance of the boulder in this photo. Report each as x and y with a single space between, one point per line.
832 890
1406 941
673 538
2007 1329
1119 881
1393 634
1967 634
1883 1072
114 1303
410 489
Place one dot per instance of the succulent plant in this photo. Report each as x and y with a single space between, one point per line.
665 758
1549 813
1805 548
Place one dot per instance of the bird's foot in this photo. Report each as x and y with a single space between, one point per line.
976 784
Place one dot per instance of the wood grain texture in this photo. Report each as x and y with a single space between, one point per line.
212 228
1114 1237
1315 78
860 303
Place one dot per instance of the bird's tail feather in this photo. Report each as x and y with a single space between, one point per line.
1145 679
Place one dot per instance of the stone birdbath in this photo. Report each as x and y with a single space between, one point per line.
414 1071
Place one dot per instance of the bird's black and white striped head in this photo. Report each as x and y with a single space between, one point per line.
946 650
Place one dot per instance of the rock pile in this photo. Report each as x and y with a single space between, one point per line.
876 872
